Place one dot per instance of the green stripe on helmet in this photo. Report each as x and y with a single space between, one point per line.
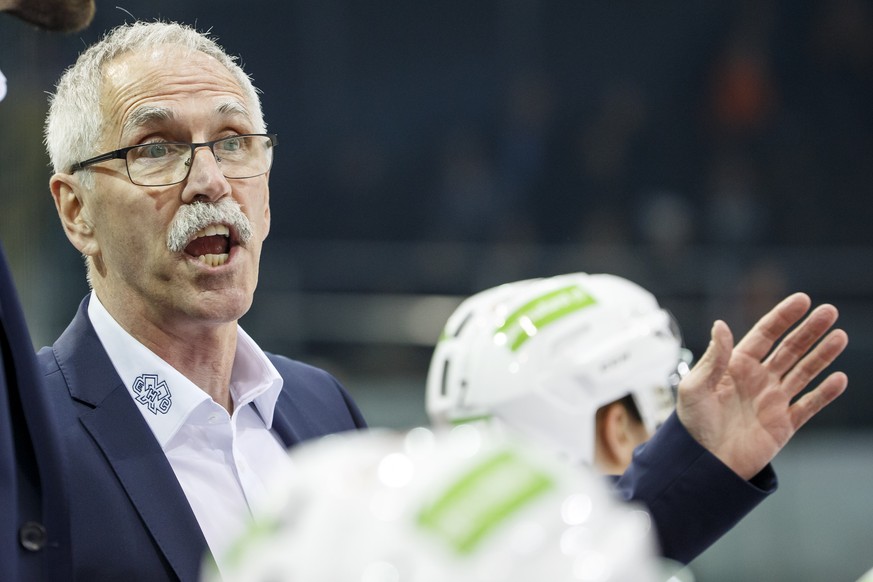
542 311
483 498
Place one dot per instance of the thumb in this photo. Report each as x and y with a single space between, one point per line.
714 362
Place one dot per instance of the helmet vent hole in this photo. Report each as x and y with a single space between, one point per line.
444 389
462 324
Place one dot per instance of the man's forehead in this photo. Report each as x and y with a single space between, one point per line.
152 67
148 88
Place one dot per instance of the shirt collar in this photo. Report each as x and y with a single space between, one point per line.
254 378
164 396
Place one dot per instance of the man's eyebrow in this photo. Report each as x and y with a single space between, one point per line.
149 114
146 115
232 108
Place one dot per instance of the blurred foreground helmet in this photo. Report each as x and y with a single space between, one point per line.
425 506
542 355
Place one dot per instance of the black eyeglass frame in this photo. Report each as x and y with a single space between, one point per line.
121 154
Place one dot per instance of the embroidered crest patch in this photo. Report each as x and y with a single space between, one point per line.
153 393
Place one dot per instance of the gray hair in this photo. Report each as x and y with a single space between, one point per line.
75 119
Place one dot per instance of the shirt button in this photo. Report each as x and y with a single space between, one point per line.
214 419
32 536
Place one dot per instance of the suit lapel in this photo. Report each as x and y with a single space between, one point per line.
281 420
146 475
117 426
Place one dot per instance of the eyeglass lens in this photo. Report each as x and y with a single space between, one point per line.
159 164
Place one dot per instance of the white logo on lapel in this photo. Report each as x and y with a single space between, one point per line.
156 395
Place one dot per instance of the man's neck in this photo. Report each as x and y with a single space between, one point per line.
205 359
201 351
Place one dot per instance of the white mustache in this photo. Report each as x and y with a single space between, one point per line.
192 218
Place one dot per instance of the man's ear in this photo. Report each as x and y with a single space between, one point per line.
70 203
609 433
267 219
615 439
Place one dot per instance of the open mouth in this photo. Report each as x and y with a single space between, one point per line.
211 246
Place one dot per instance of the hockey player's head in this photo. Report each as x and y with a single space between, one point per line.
585 364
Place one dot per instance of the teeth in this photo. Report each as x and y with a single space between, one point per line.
214 260
214 229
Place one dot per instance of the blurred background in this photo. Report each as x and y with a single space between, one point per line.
720 153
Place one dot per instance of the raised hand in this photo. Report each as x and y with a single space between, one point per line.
739 401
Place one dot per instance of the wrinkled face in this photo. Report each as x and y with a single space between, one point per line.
171 95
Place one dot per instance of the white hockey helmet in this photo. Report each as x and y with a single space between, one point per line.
431 506
543 355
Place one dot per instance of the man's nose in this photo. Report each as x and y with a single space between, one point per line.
205 177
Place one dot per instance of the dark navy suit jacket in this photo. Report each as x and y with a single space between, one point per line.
130 518
693 497
34 543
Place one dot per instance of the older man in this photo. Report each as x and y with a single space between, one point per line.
172 416
34 536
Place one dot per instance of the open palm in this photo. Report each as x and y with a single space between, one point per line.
740 403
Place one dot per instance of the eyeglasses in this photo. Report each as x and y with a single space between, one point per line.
165 164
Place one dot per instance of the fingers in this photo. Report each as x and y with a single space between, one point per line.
814 401
822 356
796 344
767 331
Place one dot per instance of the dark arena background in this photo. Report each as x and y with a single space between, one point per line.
719 153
